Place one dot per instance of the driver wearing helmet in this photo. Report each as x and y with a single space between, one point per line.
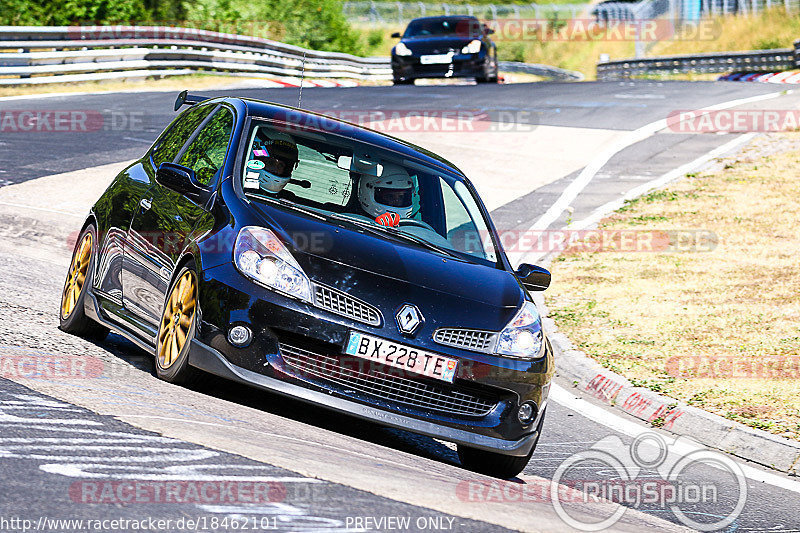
278 154
387 197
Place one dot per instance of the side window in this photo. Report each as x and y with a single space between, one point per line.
461 216
206 154
180 132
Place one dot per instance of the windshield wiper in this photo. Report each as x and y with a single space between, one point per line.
397 233
289 204
423 242
372 228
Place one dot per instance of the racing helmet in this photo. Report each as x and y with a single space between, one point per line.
277 155
391 192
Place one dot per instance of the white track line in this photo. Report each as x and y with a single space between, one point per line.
589 171
612 421
44 209
661 181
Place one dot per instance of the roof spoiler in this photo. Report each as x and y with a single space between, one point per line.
188 99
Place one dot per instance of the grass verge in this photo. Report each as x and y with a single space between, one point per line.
176 83
718 329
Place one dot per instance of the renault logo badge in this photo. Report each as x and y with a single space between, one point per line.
409 319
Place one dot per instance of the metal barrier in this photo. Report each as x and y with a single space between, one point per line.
34 55
754 61
545 71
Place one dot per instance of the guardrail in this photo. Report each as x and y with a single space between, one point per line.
35 55
721 62
545 71
75 53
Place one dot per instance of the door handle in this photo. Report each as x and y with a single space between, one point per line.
146 204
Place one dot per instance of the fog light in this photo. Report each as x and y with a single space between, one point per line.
239 336
526 412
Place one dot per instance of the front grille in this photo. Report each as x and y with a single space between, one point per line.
469 339
371 381
345 305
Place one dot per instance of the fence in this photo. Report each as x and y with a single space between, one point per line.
402 12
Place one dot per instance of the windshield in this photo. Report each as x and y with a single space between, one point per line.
462 27
367 186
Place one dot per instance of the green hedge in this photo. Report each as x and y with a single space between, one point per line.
317 24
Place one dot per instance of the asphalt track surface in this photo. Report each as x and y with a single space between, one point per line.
38 459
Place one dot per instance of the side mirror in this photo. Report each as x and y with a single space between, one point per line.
396 35
182 180
534 278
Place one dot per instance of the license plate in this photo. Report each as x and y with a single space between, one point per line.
399 356
436 59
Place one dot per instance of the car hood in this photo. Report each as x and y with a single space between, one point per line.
430 45
337 254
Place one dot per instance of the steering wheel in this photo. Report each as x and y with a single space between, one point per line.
415 222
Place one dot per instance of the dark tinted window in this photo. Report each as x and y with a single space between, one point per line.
465 27
206 154
180 132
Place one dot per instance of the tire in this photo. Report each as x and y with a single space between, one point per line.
72 315
397 81
172 353
496 464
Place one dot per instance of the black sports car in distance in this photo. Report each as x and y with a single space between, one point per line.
323 261
444 47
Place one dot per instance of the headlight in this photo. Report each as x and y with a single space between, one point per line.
402 50
523 336
472 48
261 256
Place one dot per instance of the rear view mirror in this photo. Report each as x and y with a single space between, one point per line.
396 35
360 164
182 180
534 278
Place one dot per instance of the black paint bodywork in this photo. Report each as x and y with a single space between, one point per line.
140 250
482 65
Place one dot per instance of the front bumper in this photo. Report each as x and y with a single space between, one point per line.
462 66
207 358
280 324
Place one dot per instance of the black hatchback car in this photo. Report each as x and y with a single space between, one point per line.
445 47
320 260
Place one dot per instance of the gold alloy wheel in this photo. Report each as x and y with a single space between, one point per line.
177 320
76 276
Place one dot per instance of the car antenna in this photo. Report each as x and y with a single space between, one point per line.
302 77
